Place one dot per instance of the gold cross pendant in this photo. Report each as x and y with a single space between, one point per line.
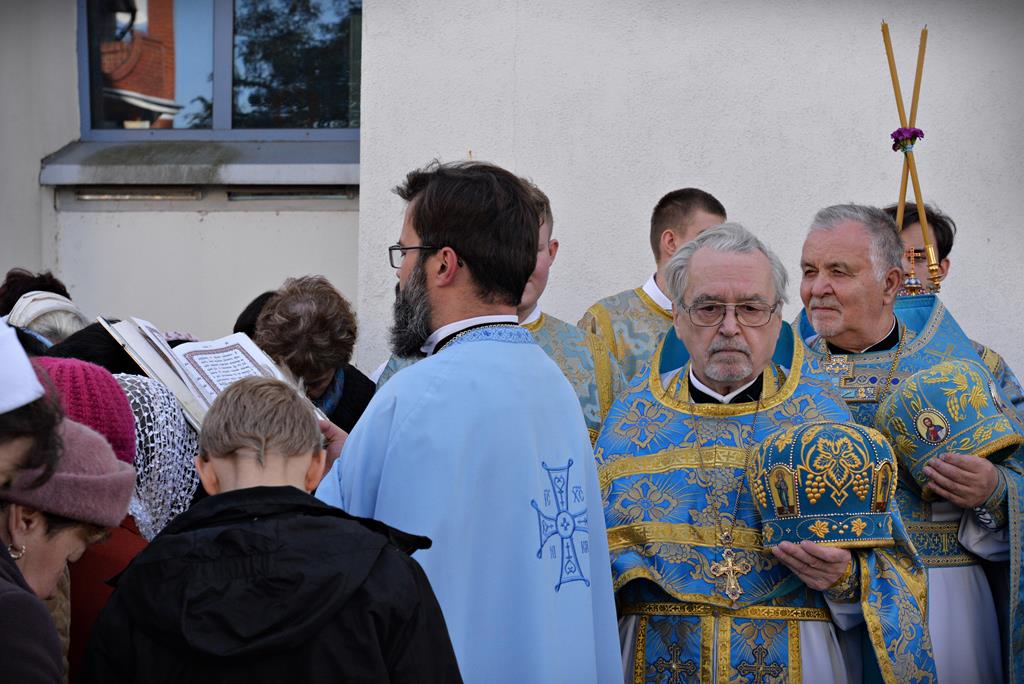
839 365
731 569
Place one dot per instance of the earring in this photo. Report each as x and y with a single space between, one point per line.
16 551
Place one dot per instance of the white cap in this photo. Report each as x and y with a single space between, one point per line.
18 382
34 304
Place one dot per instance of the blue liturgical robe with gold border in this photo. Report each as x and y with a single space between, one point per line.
666 466
632 324
463 448
962 616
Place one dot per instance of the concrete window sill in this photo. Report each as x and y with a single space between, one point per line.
203 163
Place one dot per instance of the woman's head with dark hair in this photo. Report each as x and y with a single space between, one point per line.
49 525
309 327
246 322
95 345
485 214
19 281
943 227
28 415
29 440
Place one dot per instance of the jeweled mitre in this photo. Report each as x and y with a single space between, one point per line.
825 482
953 407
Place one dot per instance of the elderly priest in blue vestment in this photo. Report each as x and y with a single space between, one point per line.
701 596
482 445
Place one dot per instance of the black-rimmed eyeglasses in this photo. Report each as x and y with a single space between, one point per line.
396 253
748 314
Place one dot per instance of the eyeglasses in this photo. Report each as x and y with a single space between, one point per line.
748 314
396 253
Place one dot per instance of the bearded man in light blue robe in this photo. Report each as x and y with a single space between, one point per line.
462 448
586 362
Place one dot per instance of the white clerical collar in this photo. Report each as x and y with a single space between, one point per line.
895 321
458 326
533 317
652 290
723 398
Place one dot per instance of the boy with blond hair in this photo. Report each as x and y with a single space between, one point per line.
261 582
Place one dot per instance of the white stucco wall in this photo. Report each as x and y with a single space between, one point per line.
38 115
776 108
196 271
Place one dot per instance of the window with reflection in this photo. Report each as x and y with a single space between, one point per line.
294 64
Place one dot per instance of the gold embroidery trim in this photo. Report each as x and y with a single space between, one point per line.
704 610
949 532
602 374
536 325
647 573
624 536
682 403
990 359
640 651
707 642
874 626
669 460
602 327
724 663
651 304
795 672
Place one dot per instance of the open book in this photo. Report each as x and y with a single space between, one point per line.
195 372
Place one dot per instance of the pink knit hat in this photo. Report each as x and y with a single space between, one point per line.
90 395
89 485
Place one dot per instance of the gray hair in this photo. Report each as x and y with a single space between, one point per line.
886 248
728 237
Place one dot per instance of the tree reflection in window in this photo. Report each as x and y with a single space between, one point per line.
296 64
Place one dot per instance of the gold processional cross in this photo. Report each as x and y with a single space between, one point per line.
732 570
904 139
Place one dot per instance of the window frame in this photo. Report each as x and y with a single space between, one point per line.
223 73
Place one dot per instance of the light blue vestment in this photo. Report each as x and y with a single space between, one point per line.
584 359
463 447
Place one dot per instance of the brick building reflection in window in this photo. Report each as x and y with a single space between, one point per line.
287 65
135 55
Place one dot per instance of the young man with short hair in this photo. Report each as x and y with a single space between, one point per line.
633 322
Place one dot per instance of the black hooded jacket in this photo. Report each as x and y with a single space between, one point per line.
271 585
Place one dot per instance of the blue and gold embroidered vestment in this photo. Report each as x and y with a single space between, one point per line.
933 335
671 471
631 324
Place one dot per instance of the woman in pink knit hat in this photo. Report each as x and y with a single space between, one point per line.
44 528
90 395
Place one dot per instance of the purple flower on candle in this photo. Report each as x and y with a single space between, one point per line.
904 139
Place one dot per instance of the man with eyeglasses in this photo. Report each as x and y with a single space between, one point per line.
582 357
693 580
481 446
865 341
